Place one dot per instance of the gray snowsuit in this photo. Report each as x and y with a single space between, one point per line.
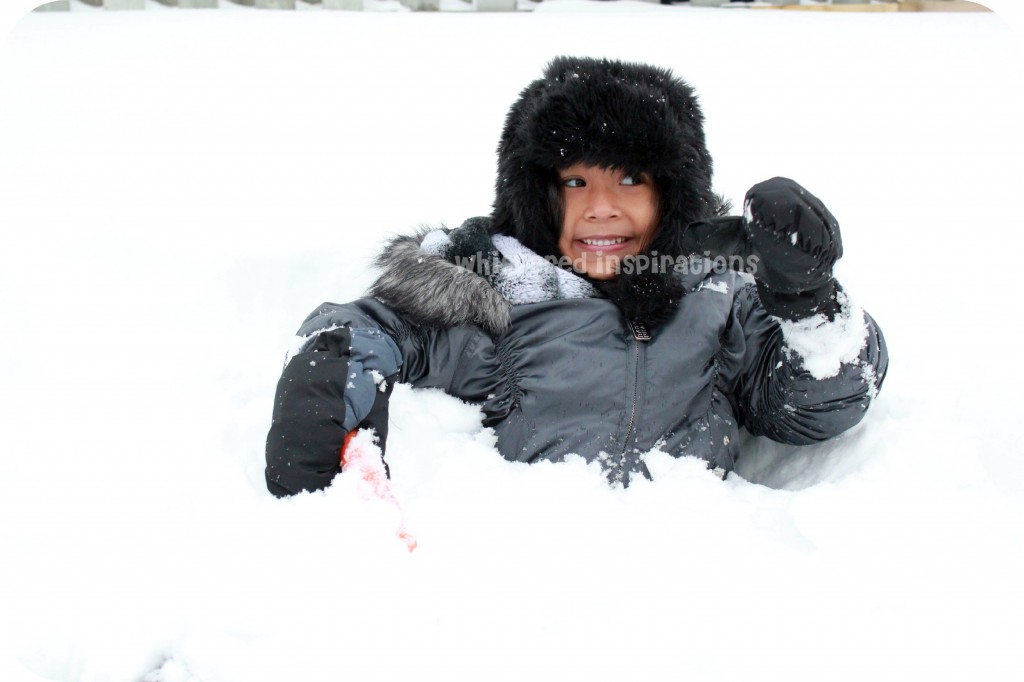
566 374
676 360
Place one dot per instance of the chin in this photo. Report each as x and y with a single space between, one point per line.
601 274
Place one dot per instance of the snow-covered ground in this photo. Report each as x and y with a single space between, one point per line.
179 188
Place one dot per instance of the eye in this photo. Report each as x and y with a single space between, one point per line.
631 179
573 182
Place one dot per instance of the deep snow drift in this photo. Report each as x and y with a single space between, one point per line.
178 189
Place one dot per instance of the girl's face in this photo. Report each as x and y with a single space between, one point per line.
609 215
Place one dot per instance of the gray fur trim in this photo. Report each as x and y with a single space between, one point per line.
450 278
430 291
521 276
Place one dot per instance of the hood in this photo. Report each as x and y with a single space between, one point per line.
629 116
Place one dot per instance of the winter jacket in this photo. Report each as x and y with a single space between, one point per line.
557 369
676 359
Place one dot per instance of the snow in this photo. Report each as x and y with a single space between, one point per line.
720 287
825 345
179 189
435 242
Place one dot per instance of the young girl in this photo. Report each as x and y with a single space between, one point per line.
598 310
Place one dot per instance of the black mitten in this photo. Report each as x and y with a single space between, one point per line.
308 428
308 431
787 239
797 242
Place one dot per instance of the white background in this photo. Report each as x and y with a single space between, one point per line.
178 189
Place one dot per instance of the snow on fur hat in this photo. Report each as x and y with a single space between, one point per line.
629 116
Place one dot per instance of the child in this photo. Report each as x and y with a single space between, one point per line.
597 311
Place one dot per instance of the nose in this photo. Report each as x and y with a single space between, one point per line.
602 202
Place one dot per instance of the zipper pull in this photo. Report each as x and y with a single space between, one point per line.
640 331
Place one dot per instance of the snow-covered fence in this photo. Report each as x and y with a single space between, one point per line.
117 4
343 4
850 5
495 5
513 5
190 4
274 4
357 5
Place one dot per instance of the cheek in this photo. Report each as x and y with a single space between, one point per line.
563 248
570 209
565 237
565 242
649 215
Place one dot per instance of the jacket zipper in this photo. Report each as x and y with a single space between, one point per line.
640 335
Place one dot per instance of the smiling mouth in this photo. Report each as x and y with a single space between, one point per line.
605 242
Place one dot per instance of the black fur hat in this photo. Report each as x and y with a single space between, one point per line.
629 116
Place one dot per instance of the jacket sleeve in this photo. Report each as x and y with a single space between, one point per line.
340 376
805 381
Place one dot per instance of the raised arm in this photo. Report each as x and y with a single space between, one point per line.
805 381
807 361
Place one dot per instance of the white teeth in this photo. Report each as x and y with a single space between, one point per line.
603 242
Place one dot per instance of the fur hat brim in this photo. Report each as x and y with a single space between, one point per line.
633 117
